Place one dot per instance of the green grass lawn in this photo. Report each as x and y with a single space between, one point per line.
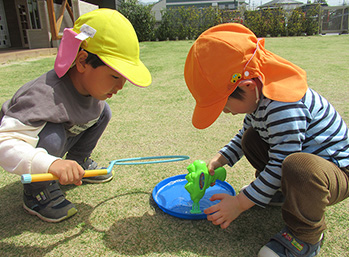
120 218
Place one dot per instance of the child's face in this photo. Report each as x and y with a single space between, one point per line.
246 105
101 82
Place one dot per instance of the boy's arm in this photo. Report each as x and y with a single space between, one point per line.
286 125
233 151
18 152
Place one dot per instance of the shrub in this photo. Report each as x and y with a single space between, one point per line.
253 20
312 20
141 18
296 23
188 22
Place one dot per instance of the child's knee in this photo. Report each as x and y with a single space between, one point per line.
107 112
52 138
105 116
248 139
300 169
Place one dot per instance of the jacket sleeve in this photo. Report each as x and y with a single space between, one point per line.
18 151
233 150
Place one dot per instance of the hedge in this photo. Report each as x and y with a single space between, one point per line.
189 22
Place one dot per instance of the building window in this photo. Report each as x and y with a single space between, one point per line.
34 14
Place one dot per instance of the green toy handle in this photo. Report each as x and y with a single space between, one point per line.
219 174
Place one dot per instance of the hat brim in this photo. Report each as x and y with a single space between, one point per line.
205 116
137 74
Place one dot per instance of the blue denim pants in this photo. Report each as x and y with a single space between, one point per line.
54 138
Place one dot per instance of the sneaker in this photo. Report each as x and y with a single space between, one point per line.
284 244
90 164
49 203
278 198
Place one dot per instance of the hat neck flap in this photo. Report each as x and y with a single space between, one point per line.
282 80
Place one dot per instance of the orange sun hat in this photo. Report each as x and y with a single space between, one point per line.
226 54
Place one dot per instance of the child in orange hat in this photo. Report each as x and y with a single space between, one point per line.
64 113
291 135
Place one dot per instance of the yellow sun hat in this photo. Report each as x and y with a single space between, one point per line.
227 54
109 35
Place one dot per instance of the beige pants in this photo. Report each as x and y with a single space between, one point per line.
309 184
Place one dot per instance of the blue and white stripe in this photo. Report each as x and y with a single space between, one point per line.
311 125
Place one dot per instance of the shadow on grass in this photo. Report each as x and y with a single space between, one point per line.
165 234
155 232
15 223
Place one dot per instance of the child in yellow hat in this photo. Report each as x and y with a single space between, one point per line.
64 111
291 135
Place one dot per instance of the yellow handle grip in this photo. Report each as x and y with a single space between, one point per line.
29 178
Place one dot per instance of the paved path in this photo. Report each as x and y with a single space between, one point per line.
9 55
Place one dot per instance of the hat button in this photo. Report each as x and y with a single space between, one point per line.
246 73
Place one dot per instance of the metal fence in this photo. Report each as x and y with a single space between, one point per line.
333 19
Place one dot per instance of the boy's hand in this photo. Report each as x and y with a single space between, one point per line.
68 172
228 209
217 161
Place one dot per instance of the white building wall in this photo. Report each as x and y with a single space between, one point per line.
81 7
157 8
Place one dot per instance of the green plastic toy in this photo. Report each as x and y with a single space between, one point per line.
199 179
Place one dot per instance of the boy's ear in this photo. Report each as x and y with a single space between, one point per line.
248 84
80 61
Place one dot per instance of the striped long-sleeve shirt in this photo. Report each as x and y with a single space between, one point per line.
311 125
